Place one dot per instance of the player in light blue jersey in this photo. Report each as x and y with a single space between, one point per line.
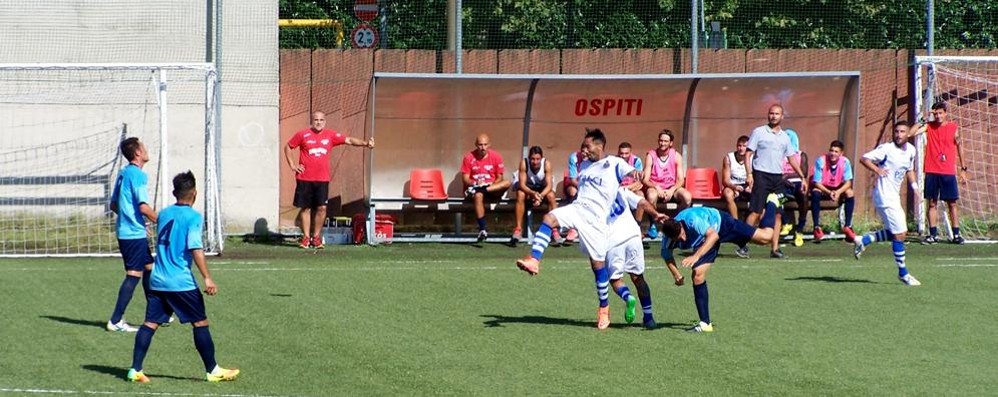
130 200
172 285
703 229
893 162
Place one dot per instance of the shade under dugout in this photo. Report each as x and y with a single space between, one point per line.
432 120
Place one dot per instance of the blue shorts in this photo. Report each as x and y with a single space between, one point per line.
732 231
941 187
188 305
135 253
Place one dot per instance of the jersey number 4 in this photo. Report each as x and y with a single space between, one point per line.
164 234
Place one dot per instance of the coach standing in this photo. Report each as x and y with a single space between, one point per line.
312 174
767 147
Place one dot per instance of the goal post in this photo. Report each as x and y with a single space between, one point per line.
60 129
968 85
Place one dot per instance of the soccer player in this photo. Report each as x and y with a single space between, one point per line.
663 177
482 172
833 180
627 255
312 174
130 201
768 146
893 162
942 156
733 176
533 184
625 153
703 229
589 214
172 286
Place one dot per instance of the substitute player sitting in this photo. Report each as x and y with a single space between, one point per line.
664 177
733 176
533 186
703 229
892 162
482 172
833 180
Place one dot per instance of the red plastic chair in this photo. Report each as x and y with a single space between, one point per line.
427 184
703 183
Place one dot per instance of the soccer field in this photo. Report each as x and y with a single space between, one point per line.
437 319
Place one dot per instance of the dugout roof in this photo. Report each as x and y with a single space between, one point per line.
432 120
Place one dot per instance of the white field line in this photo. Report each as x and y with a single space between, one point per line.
129 393
969 258
415 265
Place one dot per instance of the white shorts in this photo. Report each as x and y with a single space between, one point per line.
894 219
626 258
592 229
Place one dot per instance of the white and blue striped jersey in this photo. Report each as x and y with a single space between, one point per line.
897 161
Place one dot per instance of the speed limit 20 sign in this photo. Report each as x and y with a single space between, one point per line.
364 36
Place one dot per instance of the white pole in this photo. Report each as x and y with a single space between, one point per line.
164 171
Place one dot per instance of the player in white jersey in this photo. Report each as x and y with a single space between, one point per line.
893 162
589 214
627 254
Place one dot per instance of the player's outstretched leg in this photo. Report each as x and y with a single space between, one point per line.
897 245
624 293
206 348
125 293
867 239
602 278
143 339
532 263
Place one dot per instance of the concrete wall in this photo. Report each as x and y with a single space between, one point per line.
161 31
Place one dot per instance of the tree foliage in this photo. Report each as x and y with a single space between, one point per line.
498 24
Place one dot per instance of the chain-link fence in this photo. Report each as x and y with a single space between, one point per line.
553 24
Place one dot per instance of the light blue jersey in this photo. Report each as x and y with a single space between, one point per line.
179 232
130 192
698 220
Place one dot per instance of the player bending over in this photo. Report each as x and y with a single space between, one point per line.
703 229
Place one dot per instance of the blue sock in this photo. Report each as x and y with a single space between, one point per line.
700 298
815 208
206 347
603 286
143 339
956 231
481 224
933 231
644 295
898 247
879 235
850 207
623 292
541 240
768 217
124 296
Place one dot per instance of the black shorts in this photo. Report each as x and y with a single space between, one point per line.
310 194
941 187
135 253
187 305
764 184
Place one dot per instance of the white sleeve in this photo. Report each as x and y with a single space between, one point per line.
630 198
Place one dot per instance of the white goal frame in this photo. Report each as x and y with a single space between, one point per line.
209 188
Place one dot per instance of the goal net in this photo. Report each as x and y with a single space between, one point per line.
60 128
969 87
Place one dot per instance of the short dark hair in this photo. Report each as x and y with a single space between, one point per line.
669 133
940 105
671 228
900 123
183 183
624 145
837 143
596 135
743 138
535 150
128 147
